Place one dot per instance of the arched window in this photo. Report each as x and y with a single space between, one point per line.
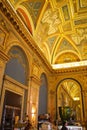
17 67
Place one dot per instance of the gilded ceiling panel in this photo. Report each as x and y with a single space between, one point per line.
65 45
50 42
82 4
66 13
67 27
59 26
52 20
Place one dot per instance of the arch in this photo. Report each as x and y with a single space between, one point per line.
58 44
67 53
25 18
81 94
18 44
24 13
17 67
42 107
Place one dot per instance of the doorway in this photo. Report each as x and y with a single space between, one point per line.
12 109
69 104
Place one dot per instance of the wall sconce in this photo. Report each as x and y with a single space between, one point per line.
16 119
33 113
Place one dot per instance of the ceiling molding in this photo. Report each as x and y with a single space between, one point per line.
73 70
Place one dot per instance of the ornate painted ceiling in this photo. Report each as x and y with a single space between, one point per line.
59 27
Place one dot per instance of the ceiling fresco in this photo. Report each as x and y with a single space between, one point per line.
59 27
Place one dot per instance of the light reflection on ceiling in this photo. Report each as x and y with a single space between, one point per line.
69 65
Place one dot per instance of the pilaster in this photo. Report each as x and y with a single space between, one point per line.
85 104
33 99
3 59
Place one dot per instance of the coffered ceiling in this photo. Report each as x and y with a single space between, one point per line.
59 27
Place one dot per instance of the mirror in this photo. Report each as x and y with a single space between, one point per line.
69 100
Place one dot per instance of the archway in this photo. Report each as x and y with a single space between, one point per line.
15 86
42 107
69 100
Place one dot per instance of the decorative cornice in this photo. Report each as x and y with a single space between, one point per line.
71 70
19 26
9 79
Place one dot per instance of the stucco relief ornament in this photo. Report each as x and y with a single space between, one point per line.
81 33
52 19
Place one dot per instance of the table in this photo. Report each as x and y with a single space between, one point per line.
72 127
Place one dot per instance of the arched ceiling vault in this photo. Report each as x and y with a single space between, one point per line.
57 26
